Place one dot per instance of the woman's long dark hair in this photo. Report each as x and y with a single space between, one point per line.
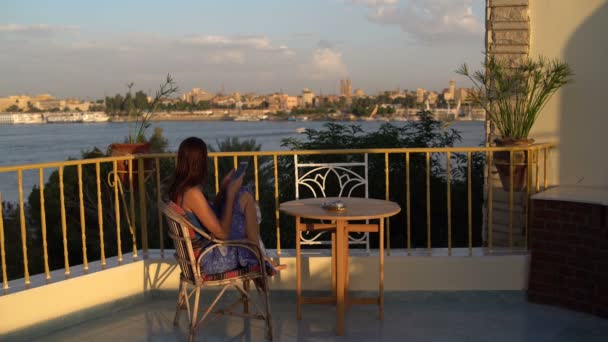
191 168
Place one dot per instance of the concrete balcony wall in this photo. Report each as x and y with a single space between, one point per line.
76 299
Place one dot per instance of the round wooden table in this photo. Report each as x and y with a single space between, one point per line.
357 209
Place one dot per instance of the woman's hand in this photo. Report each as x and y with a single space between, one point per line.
234 185
226 180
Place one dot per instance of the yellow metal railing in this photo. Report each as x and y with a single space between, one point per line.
136 167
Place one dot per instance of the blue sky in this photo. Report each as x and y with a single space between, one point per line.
90 49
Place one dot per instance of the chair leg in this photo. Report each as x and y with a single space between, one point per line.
244 297
181 296
197 292
298 272
269 334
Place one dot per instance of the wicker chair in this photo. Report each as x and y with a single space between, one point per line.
193 279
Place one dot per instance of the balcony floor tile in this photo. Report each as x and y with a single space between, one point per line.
409 316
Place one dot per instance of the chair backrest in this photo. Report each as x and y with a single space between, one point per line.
183 235
343 179
331 179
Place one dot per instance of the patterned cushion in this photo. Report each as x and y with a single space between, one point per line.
231 274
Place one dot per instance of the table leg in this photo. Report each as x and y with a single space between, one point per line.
334 266
340 231
345 268
381 252
298 272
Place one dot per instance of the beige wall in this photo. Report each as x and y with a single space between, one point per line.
577 116
69 300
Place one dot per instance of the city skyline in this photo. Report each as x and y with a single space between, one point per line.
85 51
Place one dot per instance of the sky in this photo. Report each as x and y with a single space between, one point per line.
90 49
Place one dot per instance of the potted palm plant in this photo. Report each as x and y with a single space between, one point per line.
513 97
137 141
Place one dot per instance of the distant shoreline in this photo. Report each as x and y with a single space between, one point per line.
244 116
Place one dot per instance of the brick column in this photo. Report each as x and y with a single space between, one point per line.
508 39
508 29
569 257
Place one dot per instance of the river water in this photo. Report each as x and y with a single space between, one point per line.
25 144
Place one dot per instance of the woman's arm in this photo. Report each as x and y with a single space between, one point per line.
195 201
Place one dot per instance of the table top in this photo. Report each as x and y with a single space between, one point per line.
356 208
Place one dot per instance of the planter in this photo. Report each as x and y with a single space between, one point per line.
502 161
124 149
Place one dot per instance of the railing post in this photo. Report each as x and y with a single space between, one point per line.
117 210
64 223
132 210
26 270
449 200
276 202
100 215
47 271
142 205
470 203
85 262
216 174
511 207
388 221
428 202
407 203
161 234
2 251
528 194
490 202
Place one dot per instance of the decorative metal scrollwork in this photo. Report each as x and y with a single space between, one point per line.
317 179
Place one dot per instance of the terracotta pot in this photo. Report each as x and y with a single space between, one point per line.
125 149
502 161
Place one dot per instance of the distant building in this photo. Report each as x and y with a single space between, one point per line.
346 88
47 102
292 102
282 102
432 97
420 95
223 100
450 93
197 95
76 105
18 100
308 98
359 92
327 100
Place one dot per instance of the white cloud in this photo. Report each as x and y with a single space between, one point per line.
227 57
324 64
254 42
201 60
35 29
428 20
373 3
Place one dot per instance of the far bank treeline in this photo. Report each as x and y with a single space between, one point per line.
122 105
424 133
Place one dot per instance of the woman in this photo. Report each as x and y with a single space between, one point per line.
237 212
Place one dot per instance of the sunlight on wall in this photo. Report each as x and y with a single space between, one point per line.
577 116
